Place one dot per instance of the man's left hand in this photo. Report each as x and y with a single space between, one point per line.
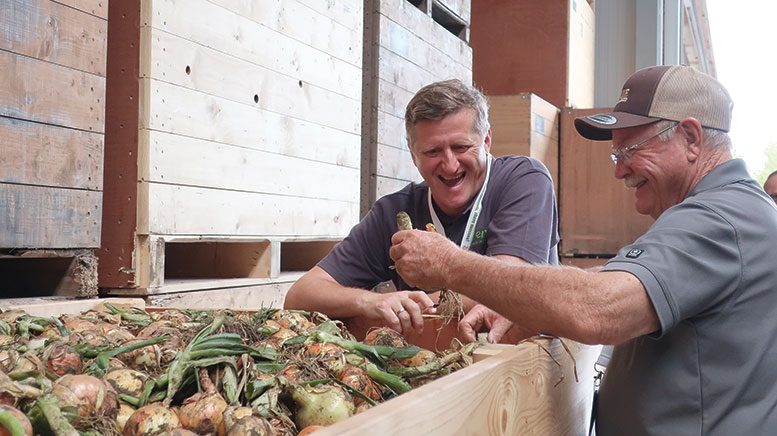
481 317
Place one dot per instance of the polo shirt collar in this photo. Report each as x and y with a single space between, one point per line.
726 173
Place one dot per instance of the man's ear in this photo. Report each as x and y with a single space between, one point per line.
487 141
693 137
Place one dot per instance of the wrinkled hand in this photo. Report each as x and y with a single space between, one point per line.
481 317
399 310
420 257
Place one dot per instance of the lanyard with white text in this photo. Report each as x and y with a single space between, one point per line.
469 231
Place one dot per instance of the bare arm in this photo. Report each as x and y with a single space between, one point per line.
590 307
317 290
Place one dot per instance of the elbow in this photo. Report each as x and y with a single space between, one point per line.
293 299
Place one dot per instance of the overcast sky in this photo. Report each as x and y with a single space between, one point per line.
743 38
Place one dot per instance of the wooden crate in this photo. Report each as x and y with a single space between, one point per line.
544 47
528 389
597 215
232 128
525 124
407 44
53 55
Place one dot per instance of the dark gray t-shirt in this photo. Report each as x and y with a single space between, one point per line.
518 218
709 267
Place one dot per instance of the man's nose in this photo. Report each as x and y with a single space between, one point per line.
449 161
621 169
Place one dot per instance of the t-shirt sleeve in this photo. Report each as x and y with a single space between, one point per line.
524 224
361 260
689 263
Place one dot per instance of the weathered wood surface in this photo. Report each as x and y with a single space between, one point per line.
49 272
43 217
95 7
56 33
529 389
223 294
60 306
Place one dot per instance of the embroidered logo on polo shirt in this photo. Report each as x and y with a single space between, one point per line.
634 253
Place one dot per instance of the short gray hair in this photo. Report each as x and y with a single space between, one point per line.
713 137
436 100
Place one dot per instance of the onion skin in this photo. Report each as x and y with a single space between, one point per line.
20 421
252 426
310 429
62 359
125 411
178 432
151 420
204 413
385 336
421 358
358 379
127 381
321 405
92 396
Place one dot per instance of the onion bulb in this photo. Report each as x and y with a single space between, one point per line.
358 379
421 358
310 429
125 411
251 426
178 432
90 395
321 405
385 336
151 420
127 381
13 421
62 359
293 321
204 413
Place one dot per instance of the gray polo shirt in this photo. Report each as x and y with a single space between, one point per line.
710 269
518 218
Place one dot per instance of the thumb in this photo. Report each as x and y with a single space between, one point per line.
498 330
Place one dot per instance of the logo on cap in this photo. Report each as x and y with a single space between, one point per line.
624 95
605 119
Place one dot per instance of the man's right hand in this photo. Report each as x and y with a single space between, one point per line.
401 310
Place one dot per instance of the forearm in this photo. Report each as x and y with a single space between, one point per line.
317 291
565 301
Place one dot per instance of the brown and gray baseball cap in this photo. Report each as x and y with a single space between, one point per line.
662 93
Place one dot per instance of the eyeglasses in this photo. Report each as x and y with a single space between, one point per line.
624 153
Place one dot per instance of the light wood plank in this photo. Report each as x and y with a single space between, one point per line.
44 92
459 7
303 24
185 112
391 130
582 46
392 99
346 12
406 44
188 161
61 306
522 391
409 17
55 33
39 154
40 217
213 26
185 63
407 75
218 260
388 185
220 295
95 7
396 163
201 211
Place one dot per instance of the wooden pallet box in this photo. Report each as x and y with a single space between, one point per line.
539 387
525 124
233 128
52 116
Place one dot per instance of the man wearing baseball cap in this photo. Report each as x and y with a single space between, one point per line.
690 305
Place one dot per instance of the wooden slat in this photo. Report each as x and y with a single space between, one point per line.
581 66
200 211
188 161
116 267
303 24
39 154
461 8
346 12
387 185
213 26
185 112
393 99
407 75
396 163
195 293
55 33
40 217
95 7
391 130
182 62
406 15
48 93
60 306
596 210
522 391
410 46
218 260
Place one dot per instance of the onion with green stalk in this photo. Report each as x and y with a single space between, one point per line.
204 411
13 422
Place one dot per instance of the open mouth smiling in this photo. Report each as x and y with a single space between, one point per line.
452 181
